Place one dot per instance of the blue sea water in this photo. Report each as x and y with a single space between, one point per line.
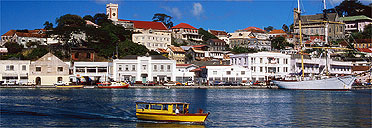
228 107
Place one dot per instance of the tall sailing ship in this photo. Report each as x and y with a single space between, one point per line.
326 83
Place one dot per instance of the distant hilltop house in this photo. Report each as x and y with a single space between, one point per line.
251 37
222 35
355 23
312 26
24 36
186 32
153 35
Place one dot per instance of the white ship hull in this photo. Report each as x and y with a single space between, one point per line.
336 83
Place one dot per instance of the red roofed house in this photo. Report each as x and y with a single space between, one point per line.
186 32
153 35
222 35
24 36
277 33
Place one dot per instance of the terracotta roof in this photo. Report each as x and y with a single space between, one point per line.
368 50
198 46
147 24
216 33
9 33
198 69
360 68
277 31
183 25
316 37
176 49
162 50
254 29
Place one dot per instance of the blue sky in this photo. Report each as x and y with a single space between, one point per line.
228 15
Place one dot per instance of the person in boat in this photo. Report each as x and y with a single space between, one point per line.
177 110
185 110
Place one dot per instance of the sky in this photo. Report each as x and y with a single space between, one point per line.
227 15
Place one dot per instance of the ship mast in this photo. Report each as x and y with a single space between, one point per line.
301 45
326 35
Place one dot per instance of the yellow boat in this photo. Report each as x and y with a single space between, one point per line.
166 111
69 86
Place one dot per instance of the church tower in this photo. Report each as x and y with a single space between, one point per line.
112 11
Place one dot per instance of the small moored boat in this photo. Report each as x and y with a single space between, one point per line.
69 86
113 85
166 111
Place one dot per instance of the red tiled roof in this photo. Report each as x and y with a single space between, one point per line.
9 33
368 50
277 31
217 40
198 46
360 68
216 33
198 69
254 29
162 50
183 25
316 37
147 24
176 49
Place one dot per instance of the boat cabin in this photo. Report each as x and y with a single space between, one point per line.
162 107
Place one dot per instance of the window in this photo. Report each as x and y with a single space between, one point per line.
228 72
120 68
23 67
38 69
261 60
9 68
76 55
168 67
143 67
155 67
133 67
261 69
60 69
214 72
59 79
88 55
155 106
126 67
161 67
243 72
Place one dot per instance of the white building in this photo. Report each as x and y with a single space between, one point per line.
263 65
183 73
222 35
14 71
231 73
24 36
153 39
96 71
315 66
186 32
144 68
355 23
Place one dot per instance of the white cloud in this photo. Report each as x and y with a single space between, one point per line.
175 12
197 9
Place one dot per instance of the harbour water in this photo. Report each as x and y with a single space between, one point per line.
228 107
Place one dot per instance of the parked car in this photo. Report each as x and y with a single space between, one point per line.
59 83
172 83
246 84
236 83
190 83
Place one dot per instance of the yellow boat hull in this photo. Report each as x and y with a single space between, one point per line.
189 117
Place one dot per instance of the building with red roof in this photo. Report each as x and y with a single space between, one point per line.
24 36
254 30
277 33
176 53
186 32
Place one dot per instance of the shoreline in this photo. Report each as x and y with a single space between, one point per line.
180 87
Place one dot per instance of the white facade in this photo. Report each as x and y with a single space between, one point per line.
153 39
144 69
187 34
263 65
112 11
100 71
231 73
14 71
183 73
316 66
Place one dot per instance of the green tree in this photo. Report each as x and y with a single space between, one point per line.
269 28
353 8
48 25
37 53
89 17
279 43
285 28
164 18
237 50
13 47
206 35
127 47
101 18
33 43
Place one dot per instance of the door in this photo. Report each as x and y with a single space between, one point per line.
143 79
38 81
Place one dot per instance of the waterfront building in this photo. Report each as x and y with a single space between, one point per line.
14 71
91 71
183 72
222 35
24 36
227 73
263 65
312 28
186 32
176 53
48 70
141 69
316 66
355 23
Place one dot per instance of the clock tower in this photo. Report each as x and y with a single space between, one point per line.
112 11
